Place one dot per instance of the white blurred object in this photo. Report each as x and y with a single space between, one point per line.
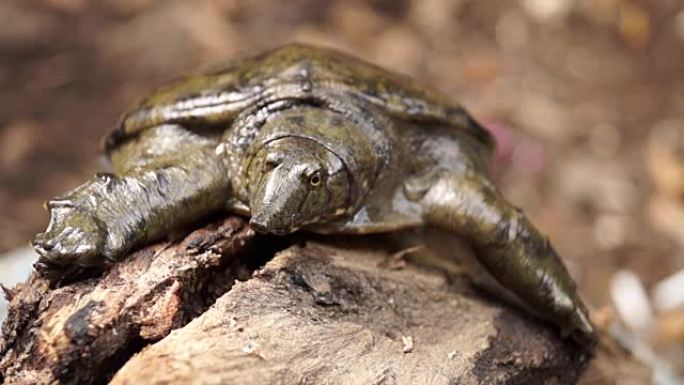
15 267
668 294
634 308
544 10
663 373
631 301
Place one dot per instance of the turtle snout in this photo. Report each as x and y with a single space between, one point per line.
264 225
258 225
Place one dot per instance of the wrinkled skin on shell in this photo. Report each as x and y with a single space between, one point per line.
311 139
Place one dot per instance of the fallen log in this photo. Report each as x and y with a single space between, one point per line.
225 306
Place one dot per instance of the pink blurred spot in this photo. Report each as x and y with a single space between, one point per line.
514 151
504 144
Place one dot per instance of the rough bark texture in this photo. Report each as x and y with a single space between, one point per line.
202 311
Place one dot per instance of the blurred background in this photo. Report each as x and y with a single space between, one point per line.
586 98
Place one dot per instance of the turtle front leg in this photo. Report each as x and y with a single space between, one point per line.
106 217
510 248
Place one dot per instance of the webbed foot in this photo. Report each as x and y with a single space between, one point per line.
73 236
165 179
510 248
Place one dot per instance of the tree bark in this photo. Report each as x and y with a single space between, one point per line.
224 306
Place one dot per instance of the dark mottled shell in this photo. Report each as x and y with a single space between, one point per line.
290 72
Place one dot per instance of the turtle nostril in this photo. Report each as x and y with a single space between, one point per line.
258 226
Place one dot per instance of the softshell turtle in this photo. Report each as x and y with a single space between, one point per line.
311 139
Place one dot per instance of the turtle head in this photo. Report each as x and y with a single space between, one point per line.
294 182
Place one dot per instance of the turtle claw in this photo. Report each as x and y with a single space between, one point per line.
582 330
73 237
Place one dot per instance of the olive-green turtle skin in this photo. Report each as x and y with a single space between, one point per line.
311 139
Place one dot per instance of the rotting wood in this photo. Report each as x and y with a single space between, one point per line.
315 313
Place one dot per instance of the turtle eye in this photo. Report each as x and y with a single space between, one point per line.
315 179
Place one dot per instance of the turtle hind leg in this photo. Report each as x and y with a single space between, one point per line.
164 179
509 247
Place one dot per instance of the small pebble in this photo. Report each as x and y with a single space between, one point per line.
249 347
407 341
